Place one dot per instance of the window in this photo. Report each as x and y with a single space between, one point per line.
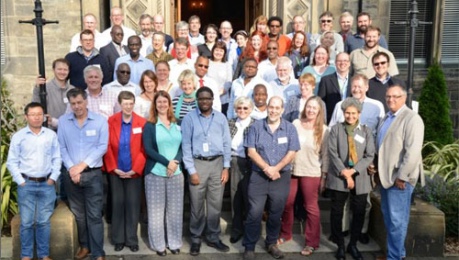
450 34
399 34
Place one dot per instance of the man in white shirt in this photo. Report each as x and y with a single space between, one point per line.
196 38
181 62
225 30
145 23
117 18
201 67
123 75
89 23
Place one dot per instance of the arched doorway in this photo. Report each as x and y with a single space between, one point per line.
216 11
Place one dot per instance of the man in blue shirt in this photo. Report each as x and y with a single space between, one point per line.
357 41
206 147
272 145
34 161
83 139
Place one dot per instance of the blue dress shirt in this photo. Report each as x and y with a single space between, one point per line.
202 133
35 155
86 143
137 67
124 151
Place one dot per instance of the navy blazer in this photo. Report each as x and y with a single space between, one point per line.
330 92
111 54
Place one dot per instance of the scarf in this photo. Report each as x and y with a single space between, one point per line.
180 101
353 159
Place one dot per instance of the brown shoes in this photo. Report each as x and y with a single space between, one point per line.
101 258
46 258
82 253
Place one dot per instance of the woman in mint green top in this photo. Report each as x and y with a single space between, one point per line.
164 184
320 66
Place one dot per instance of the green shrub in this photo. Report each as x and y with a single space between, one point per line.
434 107
442 182
10 124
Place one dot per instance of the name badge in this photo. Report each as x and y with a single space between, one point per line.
282 140
90 132
359 138
205 147
66 100
137 130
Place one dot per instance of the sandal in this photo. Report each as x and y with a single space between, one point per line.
282 240
307 251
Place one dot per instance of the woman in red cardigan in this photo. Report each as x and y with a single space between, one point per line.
125 162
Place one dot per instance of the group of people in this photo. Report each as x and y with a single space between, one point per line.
140 117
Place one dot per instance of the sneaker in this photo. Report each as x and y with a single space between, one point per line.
275 252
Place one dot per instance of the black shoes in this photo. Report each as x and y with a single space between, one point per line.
354 252
195 249
219 246
134 248
364 238
175 251
275 252
340 254
235 238
248 255
119 247
161 253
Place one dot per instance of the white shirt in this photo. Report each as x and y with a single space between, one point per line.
237 143
213 85
238 89
267 70
146 43
128 32
196 40
116 87
257 114
177 68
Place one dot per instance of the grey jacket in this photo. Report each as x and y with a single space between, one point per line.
338 155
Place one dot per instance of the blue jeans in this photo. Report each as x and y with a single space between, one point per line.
395 207
261 190
36 205
85 200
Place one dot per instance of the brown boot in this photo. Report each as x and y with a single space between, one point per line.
82 253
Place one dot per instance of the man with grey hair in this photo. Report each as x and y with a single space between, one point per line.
182 30
298 25
326 25
196 38
346 21
89 23
285 85
145 24
158 26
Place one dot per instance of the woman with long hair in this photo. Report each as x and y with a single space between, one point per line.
164 183
148 85
256 48
220 70
310 165
299 53
320 66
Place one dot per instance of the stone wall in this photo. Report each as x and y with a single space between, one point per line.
21 66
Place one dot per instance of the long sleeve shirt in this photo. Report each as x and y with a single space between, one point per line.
35 155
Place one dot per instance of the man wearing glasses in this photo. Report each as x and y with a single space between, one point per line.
201 67
275 28
123 82
326 25
206 149
382 80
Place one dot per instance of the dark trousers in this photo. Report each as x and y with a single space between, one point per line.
85 200
262 190
240 176
125 209
358 204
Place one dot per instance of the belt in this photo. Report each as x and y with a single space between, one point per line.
40 179
209 158
88 169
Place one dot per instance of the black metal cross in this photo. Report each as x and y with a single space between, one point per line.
39 22
413 23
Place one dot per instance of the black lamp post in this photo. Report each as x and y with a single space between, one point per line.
39 22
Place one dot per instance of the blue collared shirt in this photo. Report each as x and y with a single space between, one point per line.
124 151
86 143
354 42
285 91
272 147
35 155
137 67
205 136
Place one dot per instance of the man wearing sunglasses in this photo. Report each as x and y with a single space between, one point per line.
326 25
275 28
382 80
123 74
201 66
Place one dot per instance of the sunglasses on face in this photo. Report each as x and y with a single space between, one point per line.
242 108
124 72
203 66
325 21
376 64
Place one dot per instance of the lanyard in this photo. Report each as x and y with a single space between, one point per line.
206 132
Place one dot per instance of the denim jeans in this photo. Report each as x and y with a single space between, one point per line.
85 200
36 205
395 207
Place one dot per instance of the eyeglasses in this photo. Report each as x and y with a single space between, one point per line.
272 48
242 108
203 66
127 72
376 64
325 21
34 115
394 97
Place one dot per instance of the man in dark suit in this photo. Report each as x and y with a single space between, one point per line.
336 87
114 49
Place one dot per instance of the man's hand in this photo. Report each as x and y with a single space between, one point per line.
400 184
225 175
76 178
347 173
77 169
40 81
372 169
50 182
194 179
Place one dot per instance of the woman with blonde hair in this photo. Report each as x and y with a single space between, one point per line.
260 24
187 100
310 167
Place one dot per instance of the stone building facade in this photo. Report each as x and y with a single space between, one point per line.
19 45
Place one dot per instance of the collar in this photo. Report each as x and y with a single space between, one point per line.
397 112
281 125
28 130
383 81
244 122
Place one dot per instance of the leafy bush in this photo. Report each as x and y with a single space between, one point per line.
10 124
442 182
434 108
